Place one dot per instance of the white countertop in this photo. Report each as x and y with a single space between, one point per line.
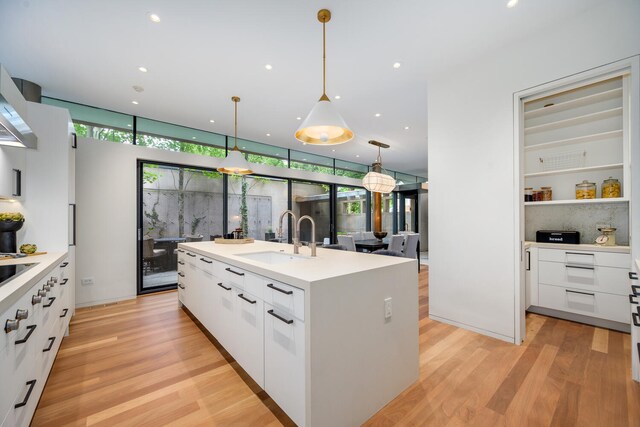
15 288
327 264
581 247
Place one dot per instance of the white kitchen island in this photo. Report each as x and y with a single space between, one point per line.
314 332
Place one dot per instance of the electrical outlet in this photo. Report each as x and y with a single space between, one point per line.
599 226
387 308
87 281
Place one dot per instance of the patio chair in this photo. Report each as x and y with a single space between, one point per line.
388 252
193 237
150 255
368 235
396 243
348 242
337 247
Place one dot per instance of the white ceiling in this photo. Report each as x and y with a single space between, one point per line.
205 51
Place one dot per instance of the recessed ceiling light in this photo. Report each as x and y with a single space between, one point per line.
298 118
154 18
193 137
333 150
134 102
304 160
268 67
143 69
268 134
397 65
243 147
304 143
212 121
512 3
406 128
336 97
377 114
357 155
129 125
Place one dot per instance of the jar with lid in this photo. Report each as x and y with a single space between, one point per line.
586 190
547 194
537 196
610 188
528 194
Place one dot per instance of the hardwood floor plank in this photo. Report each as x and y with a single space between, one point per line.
145 362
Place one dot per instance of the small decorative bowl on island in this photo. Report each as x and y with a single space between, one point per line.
28 248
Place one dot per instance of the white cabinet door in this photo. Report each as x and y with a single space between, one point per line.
12 171
531 277
206 294
223 329
249 336
284 362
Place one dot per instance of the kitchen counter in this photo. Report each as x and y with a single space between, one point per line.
580 247
328 264
11 291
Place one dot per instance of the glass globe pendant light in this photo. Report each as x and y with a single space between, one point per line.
235 163
324 125
376 181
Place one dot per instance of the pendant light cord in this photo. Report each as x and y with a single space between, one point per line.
235 125
324 61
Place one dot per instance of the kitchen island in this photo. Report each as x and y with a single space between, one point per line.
331 339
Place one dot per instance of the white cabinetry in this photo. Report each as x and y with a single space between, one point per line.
592 284
531 276
27 354
12 172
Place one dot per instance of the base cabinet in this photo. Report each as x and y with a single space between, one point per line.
248 324
284 370
27 353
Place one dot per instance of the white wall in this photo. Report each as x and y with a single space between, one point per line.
106 212
471 185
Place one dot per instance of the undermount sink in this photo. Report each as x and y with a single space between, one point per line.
272 257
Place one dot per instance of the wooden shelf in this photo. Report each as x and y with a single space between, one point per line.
574 170
578 102
574 120
578 202
576 140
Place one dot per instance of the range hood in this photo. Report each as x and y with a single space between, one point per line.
14 131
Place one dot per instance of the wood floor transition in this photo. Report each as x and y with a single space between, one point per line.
145 362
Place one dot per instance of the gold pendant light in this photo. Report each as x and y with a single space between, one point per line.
235 163
324 125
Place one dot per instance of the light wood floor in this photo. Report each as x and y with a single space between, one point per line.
145 362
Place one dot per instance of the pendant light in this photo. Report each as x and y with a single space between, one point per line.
324 125
376 181
235 163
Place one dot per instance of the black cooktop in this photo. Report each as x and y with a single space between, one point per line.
8 272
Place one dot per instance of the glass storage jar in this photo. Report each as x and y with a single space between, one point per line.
547 194
528 194
586 190
537 195
610 188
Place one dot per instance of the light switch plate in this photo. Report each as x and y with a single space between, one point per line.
387 308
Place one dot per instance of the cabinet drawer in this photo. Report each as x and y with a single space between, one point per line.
594 304
590 278
607 259
285 298
249 334
206 264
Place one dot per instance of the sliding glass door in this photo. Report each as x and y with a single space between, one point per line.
175 204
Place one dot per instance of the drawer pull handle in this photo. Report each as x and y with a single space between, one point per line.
246 299
223 286
51 341
22 314
181 251
180 286
64 282
11 325
51 300
181 262
581 293
64 312
578 253
234 272
582 267
31 328
31 384
633 275
191 255
36 299
180 273
528 262
636 319
631 297
207 261
275 288
636 290
287 321
64 264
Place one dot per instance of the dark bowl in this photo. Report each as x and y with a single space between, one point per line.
380 234
10 225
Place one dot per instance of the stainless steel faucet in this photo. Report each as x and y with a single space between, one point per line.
296 239
312 244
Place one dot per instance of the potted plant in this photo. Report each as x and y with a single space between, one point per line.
269 235
10 222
